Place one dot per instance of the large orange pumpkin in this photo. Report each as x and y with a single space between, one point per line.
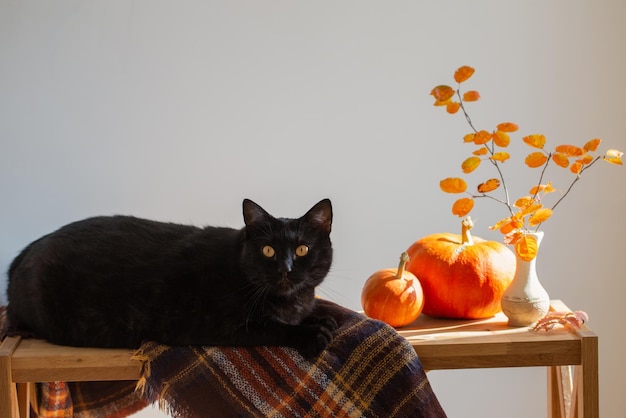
393 295
461 276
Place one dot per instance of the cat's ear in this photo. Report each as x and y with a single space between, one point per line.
321 215
253 213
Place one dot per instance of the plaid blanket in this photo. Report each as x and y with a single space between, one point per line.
367 371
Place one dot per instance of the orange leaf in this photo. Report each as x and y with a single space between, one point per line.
488 186
545 188
526 247
453 107
614 156
500 223
513 237
507 127
501 139
453 185
442 93
462 207
507 228
481 151
531 209
592 146
463 73
469 137
471 96
524 202
561 160
535 140
586 159
517 222
576 167
482 137
569 150
500 156
470 164
511 226
536 159
541 215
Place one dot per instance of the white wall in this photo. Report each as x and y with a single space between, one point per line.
178 110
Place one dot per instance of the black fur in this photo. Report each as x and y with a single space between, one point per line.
117 281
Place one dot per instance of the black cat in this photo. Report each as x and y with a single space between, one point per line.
117 281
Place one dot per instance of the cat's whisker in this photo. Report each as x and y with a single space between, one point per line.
330 293
256 301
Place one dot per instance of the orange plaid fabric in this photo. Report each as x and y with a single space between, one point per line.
367 371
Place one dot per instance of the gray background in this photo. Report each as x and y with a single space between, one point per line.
176 111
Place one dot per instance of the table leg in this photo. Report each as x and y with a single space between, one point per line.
576 396
8 395
588 388
554 396
23 399
562 392
5 388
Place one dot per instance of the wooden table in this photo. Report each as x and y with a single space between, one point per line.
571 357
25 362
441 344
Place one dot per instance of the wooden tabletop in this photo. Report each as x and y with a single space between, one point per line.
39 361
440 344
457 344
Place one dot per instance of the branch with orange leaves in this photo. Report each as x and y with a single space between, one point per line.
527 211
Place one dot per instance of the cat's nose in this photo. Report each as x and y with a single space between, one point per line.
285 267
284 270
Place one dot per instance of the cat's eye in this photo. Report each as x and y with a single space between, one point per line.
302 250
268 251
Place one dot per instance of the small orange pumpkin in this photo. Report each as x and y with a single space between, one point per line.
461 276
393 295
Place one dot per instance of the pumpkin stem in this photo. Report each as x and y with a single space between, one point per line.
404 258
466 237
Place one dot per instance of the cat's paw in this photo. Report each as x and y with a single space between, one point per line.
318 335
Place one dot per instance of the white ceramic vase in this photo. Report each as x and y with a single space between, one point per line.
525 301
